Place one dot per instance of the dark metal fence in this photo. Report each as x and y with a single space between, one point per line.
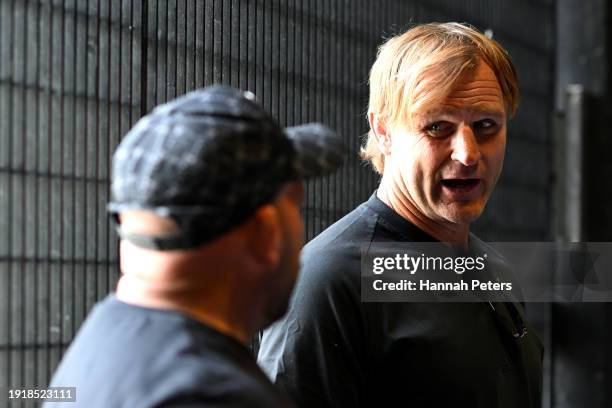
76 74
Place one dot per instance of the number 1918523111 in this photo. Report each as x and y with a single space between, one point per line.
51 394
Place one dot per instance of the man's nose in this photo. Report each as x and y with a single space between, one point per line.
465 146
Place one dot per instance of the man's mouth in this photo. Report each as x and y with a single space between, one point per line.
462 188
460 183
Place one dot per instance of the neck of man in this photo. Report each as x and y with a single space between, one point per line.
398 199
147 282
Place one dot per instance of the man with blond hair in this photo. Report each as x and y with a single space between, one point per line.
440 99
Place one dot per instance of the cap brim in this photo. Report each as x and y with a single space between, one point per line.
319 149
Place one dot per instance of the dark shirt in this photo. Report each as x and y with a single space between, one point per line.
130 356
332 350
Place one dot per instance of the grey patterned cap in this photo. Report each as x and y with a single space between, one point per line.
209 159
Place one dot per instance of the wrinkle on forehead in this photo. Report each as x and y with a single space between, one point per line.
486 103
481 82
493 91
478 92
489 104
475 93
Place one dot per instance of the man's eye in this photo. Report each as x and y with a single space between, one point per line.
486 127
440 129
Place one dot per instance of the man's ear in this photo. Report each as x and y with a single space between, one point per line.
381 133
265 236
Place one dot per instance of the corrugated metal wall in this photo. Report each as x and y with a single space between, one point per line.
75 74
69 87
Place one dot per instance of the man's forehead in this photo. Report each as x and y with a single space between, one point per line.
476 91
483 101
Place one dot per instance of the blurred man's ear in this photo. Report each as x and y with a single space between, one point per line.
380 131
264 236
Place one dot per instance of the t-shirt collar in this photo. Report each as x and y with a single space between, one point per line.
405 230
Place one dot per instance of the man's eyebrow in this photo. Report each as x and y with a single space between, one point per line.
485 111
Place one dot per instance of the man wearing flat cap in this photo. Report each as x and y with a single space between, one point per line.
206 194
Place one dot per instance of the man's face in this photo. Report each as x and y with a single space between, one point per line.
447 161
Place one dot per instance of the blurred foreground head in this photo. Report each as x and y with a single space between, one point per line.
206 194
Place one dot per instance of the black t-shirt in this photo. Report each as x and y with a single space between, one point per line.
332 350
130 356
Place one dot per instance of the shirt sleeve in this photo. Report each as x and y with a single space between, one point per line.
317 352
